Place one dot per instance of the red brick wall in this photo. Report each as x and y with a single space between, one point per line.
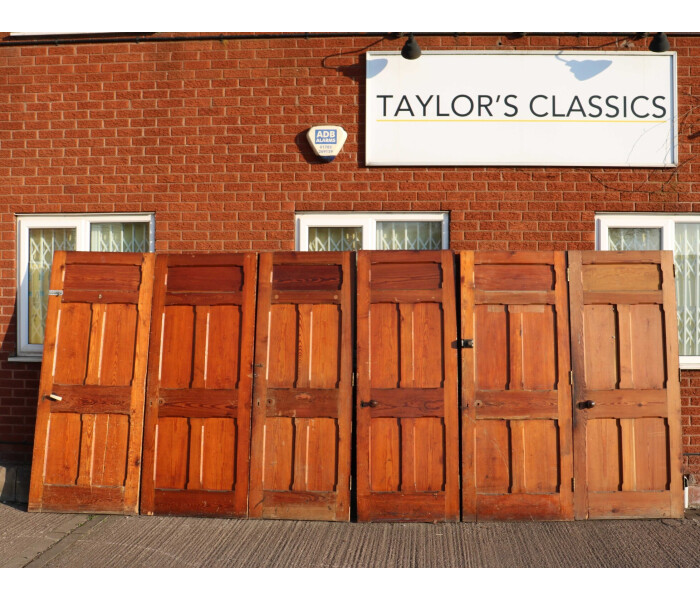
210 135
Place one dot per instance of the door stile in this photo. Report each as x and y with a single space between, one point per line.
138 388
245 391
673 384
345 404
151 417
451 391
257 448
466 259
36 485
564 388
362 383
578 367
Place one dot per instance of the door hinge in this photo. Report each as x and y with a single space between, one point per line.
55 292
571 377
674 270
353 380
573 484
567 274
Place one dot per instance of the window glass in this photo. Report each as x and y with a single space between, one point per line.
686 257
42 244
634 238
409 235
348 231
335 238
119 237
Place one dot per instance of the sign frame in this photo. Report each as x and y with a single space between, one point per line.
673 161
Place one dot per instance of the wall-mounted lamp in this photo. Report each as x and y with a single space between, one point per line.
659 43
411 49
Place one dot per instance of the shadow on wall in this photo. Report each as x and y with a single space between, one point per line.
20 388
305 148
359 72
356 72
8 478
14 483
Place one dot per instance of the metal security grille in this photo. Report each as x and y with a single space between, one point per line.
409 235
634 238
119 237
335 239
42 245
686 257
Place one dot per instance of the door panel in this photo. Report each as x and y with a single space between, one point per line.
199 385
407 438
87 451
516 402
302 410
626 401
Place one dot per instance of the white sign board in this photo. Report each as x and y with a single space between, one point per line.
592 109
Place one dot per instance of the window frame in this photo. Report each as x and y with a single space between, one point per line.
81 222
664 221
366 220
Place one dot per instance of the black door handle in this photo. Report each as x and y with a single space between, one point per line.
586 404
371 403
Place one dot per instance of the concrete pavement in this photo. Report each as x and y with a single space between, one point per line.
67 540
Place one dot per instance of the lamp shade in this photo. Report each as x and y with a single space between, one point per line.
411 49
659 43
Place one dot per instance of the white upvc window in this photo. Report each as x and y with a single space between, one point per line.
337 231
677 232
38 236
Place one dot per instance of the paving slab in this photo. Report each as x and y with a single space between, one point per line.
25 536
140 541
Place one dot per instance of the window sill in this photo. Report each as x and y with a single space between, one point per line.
690 364
27 359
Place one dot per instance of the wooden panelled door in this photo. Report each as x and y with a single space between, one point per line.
407 413
627 429
197 431
302 400
516 394
87 445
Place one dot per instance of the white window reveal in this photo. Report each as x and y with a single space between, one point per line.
680 233
339 231
39 236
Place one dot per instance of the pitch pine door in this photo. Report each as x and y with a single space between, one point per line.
516 393
627 427
87 448
406 406
302 408
197 431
